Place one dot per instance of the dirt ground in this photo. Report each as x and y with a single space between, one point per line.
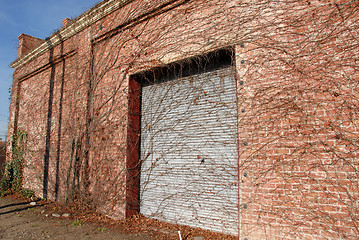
20 220
47 220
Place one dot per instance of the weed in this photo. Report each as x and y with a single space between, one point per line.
27 193
77 222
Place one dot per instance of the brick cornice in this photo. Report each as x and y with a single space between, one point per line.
85 20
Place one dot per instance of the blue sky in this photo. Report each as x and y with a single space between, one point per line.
38 18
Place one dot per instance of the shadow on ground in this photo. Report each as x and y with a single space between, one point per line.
20 220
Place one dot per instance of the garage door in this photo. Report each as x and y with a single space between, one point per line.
189 151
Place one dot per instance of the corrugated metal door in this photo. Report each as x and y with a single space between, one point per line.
189 151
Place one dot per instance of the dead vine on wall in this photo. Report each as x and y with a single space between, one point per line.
295 112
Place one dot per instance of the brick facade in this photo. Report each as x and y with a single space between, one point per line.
297 97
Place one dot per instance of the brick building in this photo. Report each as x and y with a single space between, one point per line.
234 116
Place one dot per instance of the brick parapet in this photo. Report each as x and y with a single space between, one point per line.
80 24
27 44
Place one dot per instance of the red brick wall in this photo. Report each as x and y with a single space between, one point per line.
297 108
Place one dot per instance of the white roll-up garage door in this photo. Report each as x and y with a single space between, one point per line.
189 151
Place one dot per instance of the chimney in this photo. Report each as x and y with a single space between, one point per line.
66 22
27 44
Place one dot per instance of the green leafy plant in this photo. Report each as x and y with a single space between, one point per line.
27 193
12 179
77 222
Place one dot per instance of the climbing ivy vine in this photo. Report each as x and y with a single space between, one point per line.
12 179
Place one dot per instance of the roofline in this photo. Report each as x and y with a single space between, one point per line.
86 19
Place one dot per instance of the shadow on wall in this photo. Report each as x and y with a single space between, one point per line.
2 157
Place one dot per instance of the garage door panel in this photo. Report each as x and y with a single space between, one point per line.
189 151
